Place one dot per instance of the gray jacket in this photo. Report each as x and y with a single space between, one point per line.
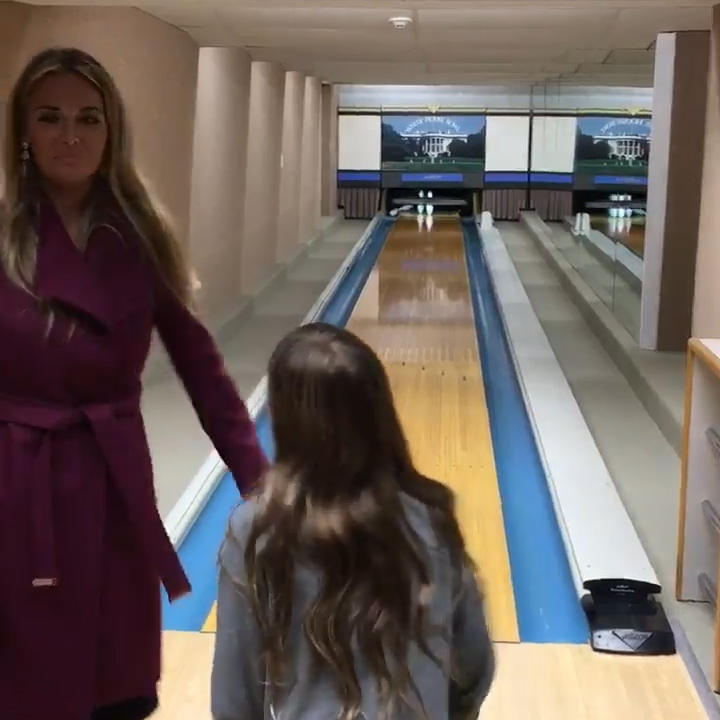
238 688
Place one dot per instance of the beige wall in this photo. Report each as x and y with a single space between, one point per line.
706 308
13 22
195 120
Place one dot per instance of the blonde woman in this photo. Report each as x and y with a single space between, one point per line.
87 270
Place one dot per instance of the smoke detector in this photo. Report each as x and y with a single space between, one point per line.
400 22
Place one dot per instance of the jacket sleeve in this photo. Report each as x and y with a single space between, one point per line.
199 365
473 654
237 685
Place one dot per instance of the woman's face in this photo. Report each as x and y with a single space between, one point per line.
66 129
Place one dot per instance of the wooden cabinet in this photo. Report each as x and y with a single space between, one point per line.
699 532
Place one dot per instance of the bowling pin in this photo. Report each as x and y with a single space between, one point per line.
429 209
430 193
585 224
420 209
613 212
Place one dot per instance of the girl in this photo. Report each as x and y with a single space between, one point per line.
345 587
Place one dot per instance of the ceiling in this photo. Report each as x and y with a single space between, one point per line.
463 42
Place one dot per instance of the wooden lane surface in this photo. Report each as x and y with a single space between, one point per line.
542 682
416 313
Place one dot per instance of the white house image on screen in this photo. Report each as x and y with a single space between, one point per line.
626 145
434 134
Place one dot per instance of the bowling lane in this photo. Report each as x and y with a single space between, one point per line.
416 313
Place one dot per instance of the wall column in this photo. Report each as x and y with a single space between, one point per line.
262 178
291 179
706 308
217 194
675 179
328 149
310 162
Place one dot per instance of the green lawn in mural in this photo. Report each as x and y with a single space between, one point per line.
611 167
440 165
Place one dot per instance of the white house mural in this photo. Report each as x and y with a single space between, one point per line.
614 144
441 143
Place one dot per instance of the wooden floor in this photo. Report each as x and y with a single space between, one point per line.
534 682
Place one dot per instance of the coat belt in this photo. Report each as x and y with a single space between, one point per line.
105 421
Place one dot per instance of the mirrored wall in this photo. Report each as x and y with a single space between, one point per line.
605 245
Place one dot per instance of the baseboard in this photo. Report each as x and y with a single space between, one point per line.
226 326
615 339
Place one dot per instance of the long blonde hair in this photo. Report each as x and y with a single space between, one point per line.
18 238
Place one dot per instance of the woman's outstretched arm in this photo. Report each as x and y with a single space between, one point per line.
220 409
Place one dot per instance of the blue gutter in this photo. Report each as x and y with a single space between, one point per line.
547 603
198 552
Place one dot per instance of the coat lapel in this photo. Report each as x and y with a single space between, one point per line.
62 273
106 282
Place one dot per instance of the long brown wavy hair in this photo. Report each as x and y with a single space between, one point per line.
18 238
333 499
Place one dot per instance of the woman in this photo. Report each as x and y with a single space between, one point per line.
345 590
87 270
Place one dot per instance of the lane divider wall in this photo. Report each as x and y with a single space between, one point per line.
546 601
600 537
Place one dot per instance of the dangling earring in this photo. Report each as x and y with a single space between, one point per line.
24 158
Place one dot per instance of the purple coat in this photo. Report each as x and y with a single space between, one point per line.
83 549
